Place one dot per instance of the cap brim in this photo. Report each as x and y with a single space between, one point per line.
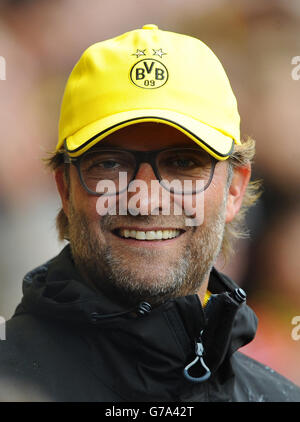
212 140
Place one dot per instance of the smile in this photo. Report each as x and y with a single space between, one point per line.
149 234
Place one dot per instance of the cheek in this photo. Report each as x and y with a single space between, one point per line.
204 205
83 202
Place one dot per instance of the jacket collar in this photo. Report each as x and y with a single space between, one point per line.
155 347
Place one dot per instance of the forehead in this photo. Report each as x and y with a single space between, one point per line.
147 136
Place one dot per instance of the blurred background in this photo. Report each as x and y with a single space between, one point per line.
255 40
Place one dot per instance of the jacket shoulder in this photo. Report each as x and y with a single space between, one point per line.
19 365
260 383
38 363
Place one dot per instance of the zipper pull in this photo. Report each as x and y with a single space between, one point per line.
199 351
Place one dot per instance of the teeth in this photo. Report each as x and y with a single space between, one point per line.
149 235
165 234
159 235
140 235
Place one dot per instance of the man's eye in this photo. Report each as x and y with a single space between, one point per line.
183 163
107 164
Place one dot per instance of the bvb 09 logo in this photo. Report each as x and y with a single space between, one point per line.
149 74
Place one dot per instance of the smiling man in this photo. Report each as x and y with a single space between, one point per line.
154 183
149 255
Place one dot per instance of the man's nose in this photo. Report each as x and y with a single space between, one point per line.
145 173
144 192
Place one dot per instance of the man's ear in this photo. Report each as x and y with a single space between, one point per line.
62 188
237 188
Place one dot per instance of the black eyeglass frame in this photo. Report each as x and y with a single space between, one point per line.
140 157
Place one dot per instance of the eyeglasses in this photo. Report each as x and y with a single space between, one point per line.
179 170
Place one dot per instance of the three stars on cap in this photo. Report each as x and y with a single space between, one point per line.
139 53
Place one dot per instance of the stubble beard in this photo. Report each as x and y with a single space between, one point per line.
109 272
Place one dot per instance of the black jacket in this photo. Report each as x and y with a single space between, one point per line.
65 342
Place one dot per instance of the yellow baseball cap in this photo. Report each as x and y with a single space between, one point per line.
149 75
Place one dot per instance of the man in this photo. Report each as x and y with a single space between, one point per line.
154 182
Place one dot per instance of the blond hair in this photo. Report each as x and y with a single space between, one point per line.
242 156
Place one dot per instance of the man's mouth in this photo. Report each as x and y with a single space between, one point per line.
162 234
